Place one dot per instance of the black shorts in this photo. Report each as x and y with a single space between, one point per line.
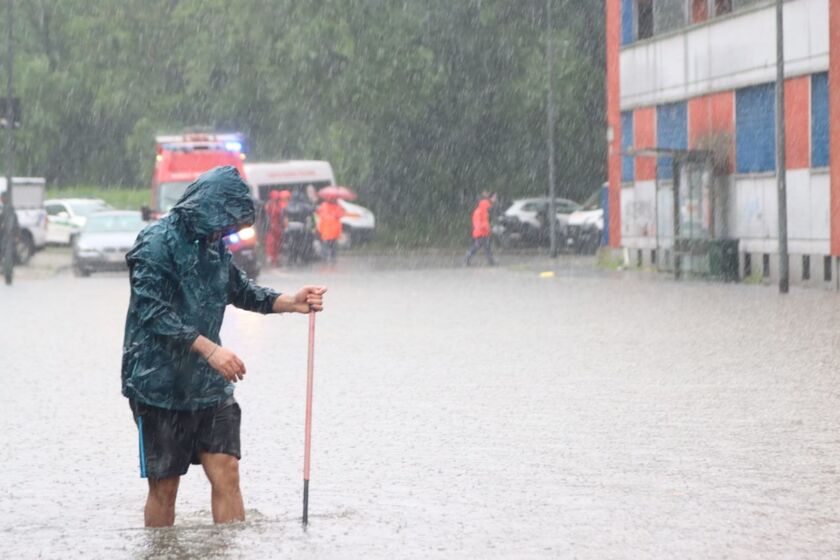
172 439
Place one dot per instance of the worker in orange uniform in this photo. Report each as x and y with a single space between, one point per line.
481 231
329 226
274 230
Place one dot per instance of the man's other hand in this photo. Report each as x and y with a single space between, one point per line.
227 363
309 298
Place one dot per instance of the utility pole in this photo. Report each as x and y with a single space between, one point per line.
552 206
8 207
784 268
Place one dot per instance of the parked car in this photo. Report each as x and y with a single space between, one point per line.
104 241
525 222
66 217
28 200
585 227
357 225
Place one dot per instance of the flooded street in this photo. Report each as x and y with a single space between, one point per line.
459 413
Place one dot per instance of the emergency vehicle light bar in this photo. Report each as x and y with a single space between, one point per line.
234 138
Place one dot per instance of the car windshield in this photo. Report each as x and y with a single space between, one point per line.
98 223
169 194
594 201
563 205
87 207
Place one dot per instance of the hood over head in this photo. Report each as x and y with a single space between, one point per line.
216 202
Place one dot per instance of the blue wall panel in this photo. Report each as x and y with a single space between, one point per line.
627 164
671 132
819 120
627 21
755 129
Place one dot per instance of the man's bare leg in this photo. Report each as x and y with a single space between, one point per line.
160 504
223 472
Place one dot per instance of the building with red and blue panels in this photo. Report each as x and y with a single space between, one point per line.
700 75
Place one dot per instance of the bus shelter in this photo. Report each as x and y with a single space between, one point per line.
687 208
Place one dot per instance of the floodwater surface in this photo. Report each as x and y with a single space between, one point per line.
459 413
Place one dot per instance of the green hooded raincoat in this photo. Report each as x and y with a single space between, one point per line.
181 282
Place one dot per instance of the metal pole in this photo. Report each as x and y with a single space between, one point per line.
784 271
307 446
552 206
675 172
8 207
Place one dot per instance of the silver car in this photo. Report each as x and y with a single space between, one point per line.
104 240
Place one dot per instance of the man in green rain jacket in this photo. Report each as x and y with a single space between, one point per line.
175 372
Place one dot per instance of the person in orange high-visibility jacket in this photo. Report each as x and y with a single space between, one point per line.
481 231
329 226
274 230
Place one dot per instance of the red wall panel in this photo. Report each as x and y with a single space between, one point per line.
644 136
699 10
797 125
713 115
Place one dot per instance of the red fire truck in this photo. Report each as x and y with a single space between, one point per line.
179 161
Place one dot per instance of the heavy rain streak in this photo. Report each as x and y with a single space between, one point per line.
419 279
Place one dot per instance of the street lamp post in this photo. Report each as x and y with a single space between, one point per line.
552 210
784 268
8 207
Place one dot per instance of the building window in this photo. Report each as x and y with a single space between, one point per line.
722 7
627 164
669 15
671 132
819 120
626 22
755 129
644 21
653 17
741 4
699 10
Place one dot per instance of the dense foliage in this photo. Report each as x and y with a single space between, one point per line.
419 104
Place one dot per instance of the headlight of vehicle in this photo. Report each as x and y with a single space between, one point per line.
247 233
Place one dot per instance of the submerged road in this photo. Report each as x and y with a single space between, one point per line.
459 413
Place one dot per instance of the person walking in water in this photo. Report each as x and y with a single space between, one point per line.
177 376
274 227
329 226
481 231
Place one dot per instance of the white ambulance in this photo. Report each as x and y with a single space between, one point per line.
358 223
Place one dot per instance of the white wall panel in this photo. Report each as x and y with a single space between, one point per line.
665 216
769 190
821 207
627 214
724 54
645 208
754 218
638 215
751 207
799 204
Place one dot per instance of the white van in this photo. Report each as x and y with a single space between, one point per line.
358 223
28 200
